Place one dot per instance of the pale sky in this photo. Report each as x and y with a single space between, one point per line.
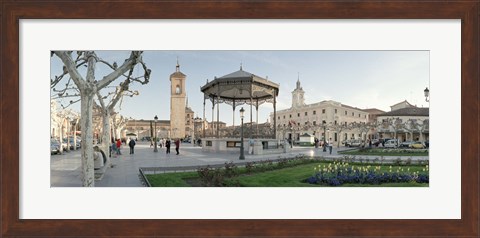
363 79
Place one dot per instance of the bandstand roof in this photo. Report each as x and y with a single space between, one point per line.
241 87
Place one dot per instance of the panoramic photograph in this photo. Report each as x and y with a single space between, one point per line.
199 118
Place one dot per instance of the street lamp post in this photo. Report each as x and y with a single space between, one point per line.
155 136
74 136
426 92
324 138
242 155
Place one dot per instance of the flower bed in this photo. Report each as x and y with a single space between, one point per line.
337 174
387 152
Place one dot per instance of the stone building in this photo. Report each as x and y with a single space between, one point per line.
326 118
404 122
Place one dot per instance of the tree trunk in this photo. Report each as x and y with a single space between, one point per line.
87 139
106 135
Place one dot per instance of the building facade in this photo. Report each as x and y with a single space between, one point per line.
404 122
324 120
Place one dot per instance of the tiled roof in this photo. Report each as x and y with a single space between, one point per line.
409 111
238 74
177 74
374 111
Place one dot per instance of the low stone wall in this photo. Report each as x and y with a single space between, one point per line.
260 146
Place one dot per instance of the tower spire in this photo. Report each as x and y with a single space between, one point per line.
298 80
178 66
241 66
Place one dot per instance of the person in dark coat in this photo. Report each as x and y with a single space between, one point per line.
167 145
177 145
132 143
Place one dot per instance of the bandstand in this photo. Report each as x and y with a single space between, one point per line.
237 89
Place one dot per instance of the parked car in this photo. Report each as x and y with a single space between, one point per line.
353 143
375 142
406 144
392 143
417 145
54 146
72 143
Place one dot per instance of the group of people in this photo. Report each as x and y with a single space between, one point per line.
116 146
167 144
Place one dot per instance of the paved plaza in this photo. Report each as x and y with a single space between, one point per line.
66 168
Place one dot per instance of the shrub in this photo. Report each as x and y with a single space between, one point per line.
210 176
230 170
250 167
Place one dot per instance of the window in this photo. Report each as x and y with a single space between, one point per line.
306 123
335 135
353 114
345 125
298 114
358 114
290 115
283 125
306 113
324 122
314 112
314 123
283 116
366 116
177 89
323 111
335 122
345 113
335 111
298 124
278 118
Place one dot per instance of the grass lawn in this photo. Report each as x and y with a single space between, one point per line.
385 152
286 177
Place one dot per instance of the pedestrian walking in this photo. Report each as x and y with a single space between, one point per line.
167 145
177 146
132 143
316 142
330 145
113 149
119 144
251 143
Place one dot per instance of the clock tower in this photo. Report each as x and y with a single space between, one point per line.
177 103
298 99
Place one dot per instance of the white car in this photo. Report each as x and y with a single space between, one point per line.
393 143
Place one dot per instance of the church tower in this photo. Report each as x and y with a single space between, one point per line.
177 103
298 99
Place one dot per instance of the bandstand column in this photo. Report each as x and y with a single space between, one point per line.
203 122
256 107
218 111
218 117
213 114
233 117
274 115
251 118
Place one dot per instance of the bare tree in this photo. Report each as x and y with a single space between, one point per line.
88 87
